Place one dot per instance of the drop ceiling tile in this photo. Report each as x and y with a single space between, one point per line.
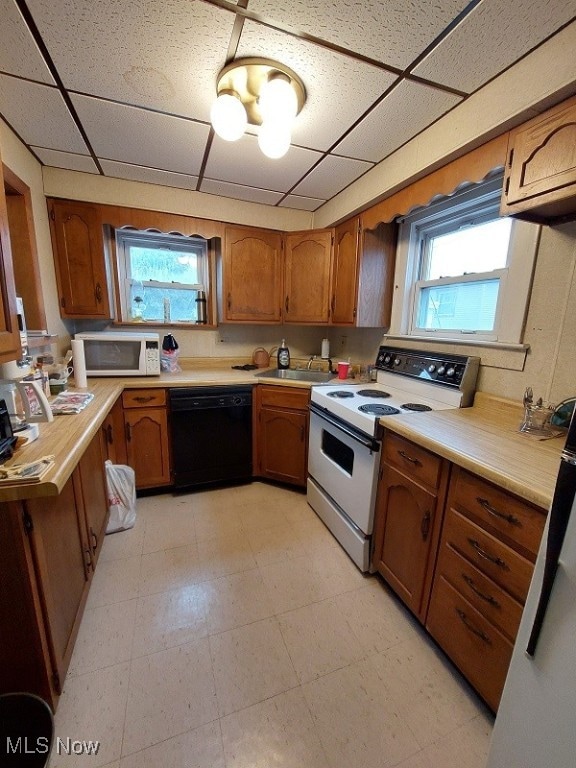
140 137
39 115
242 162
163 55
492 37
331 176
339 89
239 192
66 160
393 32
19 54
301 203
406 111
148 175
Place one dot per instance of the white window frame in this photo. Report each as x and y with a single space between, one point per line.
131 237
515 279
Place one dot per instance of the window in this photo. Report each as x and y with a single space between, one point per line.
463 272
161 276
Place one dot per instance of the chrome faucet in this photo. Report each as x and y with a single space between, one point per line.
312 358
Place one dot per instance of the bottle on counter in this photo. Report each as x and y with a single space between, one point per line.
283 355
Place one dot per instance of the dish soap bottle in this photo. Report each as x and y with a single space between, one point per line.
283 355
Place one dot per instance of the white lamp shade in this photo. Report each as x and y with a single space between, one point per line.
228 117
274 139
278 101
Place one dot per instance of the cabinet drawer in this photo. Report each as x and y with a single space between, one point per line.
517 520
477 648
485 595
416 462
497 560
143 398
285 397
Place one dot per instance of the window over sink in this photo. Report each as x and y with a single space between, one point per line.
463 272
162 277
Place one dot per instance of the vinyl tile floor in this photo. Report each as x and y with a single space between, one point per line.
228 629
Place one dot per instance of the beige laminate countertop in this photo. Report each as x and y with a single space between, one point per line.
67 437
485 440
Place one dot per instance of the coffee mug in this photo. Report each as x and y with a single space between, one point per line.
59 371
343 369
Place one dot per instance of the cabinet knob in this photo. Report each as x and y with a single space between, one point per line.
98 293
425 526
128 432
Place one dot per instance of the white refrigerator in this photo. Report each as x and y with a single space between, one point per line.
536 722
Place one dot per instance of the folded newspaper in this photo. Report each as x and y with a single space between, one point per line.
30 472
70 402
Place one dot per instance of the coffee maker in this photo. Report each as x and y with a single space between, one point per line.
25 400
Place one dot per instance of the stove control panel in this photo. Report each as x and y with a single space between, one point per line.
451 370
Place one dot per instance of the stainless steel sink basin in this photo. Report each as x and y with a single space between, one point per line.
294 374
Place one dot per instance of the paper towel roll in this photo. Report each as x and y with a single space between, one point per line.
325 349
79 362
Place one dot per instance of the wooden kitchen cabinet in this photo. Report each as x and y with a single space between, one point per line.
363 274
281 434
252 276
94 494
10 347
540 173
307 276
81 269
46 564
487 551
146 434
408 517
113 433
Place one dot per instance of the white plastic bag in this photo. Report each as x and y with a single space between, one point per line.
121 484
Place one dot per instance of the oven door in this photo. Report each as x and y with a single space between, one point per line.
344 462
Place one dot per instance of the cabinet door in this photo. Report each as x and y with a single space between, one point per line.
113 433
345 275
147 446
10 348
406 537
62 560
252 275
542 156
80 262
283 437
308 267
94 494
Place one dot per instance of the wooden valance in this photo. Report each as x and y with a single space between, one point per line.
472 167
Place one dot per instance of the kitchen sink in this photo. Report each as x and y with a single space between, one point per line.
295 374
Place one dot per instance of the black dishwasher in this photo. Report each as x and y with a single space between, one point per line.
211 435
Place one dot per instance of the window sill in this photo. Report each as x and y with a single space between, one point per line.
468 342
157 324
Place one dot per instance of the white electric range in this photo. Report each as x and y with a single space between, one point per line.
345 434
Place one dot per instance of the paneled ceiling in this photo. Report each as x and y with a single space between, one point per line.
123 88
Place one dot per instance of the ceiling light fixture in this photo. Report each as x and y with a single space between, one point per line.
260 92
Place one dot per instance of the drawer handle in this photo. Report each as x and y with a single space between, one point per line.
471 628
94 539
425 526
109 434
416 462
144 398
485 556
487 598
485 504
98 292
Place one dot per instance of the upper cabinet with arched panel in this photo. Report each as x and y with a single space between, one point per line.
540 176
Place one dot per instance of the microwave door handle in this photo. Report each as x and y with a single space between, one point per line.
559 517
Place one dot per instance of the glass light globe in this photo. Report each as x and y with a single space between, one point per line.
228 117
278 101
274 139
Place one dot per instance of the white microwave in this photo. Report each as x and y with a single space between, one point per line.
121 353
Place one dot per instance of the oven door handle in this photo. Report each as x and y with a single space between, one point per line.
367 442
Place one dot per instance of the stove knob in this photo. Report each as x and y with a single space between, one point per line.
431 368
397 361
450 372
442 370
387 358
